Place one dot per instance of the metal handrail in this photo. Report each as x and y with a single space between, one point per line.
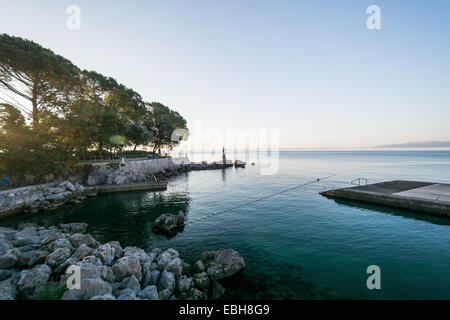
358 182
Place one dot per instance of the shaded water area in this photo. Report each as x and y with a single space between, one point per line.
298 245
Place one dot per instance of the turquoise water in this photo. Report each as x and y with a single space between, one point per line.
298 245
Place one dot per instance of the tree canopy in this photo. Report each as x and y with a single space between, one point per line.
70 112
35 73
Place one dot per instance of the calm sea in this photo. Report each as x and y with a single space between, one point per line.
298 245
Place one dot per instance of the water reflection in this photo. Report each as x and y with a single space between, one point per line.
125 217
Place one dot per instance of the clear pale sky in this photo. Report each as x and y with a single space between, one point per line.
311 69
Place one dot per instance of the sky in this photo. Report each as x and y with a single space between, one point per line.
309 70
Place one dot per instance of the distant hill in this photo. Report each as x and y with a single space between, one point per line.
425 144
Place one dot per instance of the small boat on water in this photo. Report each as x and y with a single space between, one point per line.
239 164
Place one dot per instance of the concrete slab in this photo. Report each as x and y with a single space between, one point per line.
148 185
437 191
428 197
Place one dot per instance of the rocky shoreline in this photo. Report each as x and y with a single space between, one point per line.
50 196
32 258
37 198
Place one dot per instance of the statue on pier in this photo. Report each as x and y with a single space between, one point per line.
224 157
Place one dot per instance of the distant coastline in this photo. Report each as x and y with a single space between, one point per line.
425 144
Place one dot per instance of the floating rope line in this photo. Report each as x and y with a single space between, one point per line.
271 195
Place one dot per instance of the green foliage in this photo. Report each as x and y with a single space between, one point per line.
51 291
161 122
138 134
35 73
74 113
29 150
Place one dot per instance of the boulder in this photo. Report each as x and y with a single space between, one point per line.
93 260
5 245
131 283
167 281
58 257
106 253
166 257
104 297
7 233
8 260
8 289
61 243
31 280
74 227
89 270
149 293
5 274
184 284
98 176
222 263
107 274
198 267
152 278
90 288
94 287
126 294
125 267
175 266
25 237
138 254
118 249
63 267
169 224
29 257
164 294
82 252
163 259
72 294
78 239
47 241
201 280
153 266
154 253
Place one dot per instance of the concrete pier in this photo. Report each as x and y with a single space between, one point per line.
427 197
147 185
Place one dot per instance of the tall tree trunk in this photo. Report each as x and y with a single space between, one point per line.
135 147
35 112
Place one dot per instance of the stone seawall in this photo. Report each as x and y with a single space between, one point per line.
155 166
137 171
39 197
53 195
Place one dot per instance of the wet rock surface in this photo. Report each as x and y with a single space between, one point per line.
169 224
